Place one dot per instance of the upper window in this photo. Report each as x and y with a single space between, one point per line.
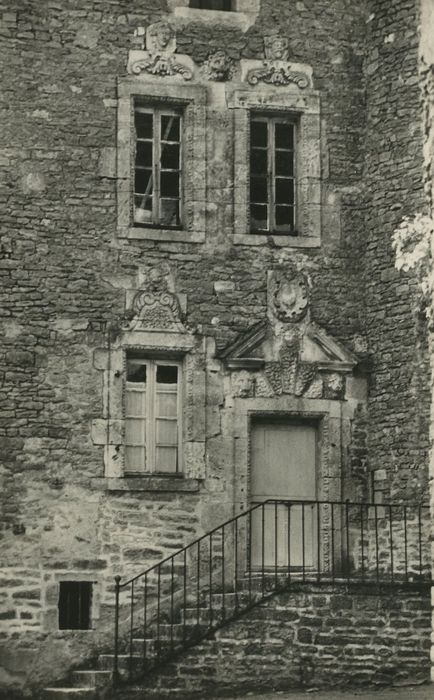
273 174
152 416
157 167
212 4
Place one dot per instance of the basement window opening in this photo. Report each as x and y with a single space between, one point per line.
75 603
224 5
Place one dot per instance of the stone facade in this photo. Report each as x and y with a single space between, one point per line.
80 285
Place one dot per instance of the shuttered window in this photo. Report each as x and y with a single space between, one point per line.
152 416
157 167
272 174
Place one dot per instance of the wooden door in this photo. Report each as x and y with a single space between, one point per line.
283 467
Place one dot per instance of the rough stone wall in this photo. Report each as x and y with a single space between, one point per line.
60 292
309 639
395 322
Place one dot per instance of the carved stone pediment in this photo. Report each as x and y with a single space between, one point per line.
246 350
157 311
158 57
319 347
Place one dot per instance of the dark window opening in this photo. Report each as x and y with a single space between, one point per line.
225 5
273 175
75 600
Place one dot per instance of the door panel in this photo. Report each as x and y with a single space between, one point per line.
283 467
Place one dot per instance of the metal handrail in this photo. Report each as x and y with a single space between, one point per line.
274 543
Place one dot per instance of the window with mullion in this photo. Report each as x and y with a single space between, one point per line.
152 416
272 175
158 168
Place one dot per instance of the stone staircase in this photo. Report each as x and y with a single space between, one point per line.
192 625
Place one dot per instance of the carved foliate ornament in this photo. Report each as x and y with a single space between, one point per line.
159 59
157 311
275 69
218 66
290 296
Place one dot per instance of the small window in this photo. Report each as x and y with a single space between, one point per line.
75 601
152 416
225 5
273 175
157 167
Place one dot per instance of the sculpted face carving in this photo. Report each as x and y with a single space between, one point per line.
218 66
160 38
276 48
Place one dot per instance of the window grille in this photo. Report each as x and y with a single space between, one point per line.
152 416
158 167
75 600
273 174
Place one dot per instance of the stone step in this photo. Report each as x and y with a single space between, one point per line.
91 678
70 693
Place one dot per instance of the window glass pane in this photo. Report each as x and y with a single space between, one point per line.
284 163
169 128
144 153
284 191
135 458
258 189
258 134
166 459
169 184
259 216
144 124
135 403
170 155
134 431
167 374
167 404
167 432
259 161
169 212
136 372
284 135
284 218
143 209
143 181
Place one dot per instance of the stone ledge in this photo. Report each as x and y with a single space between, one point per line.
280 241
177 484
156 234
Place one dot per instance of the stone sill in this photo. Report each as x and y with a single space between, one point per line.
279 241
157 234
241 20
177 484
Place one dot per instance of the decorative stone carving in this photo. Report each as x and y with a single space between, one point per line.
218 66
158 59
290 296
276 48
275 69
156 311
277 74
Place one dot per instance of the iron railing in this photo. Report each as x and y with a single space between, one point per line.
233 567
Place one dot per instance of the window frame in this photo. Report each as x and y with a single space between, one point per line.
190 98
157 112
271 119
150 443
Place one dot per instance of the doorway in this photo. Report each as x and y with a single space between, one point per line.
283 468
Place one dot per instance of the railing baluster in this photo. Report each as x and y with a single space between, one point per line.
332 525
303 542
347 526
289 542
362 544
420 542
318 541
145 620
236 562
198 585
172 583
158 610
185 597
116 654
130 665
210 582
263 549
405 545
276 549
250 557
391 544
223 574
377 563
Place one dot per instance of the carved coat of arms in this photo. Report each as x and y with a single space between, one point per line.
290 296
